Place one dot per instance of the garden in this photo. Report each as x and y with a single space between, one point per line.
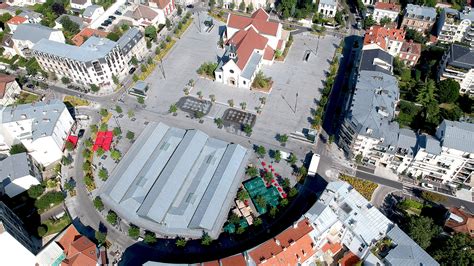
364 187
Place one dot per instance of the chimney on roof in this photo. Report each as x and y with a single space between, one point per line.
295 225
277 242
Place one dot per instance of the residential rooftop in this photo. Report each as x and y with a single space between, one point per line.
32 32
421 12
176 181
43 116
456 135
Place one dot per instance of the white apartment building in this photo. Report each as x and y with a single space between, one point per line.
80 4
385 10
455 26
342 216
25 2
448 157
41 127
27 35
327 8
17 174
458 63
96 61
9 89
388 39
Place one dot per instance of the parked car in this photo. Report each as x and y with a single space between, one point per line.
112 17
30 86
427 185
118 13
132 70
81 133
190 6
101 28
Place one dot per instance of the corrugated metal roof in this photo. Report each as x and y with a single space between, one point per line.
456 135
175 181
406 251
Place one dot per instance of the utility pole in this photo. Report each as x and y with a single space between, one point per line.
296 102
162 68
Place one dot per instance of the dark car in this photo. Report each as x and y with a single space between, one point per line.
112 17
104 24
131 70
81 133
30 86
118 13
101 28
190 6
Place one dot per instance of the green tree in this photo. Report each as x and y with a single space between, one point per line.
339 18
261 151
284 202
261 201
416 36
247 129
206 240
36 191
240 230
117 131
234 219
250 8
268 176
133 231
448 91
42 230
69 25
286 183
243 195
118 109
293 192
103 174
287 8
168 24
49 199
150 60
422 230
103 112
99 152
130 113
141 100
17 148
134 61
257 221
368 22
456 250
86 166
69 146
219 122
116 155
242 6
273 211
115 80
282 138
173 109
277 156
65 80
113 36
180 10
292 159
130 135
112 218
150 32
101 237
251 171
181 242
385 20
98 204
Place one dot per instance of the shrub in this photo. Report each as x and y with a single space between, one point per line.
103 112
98 204
117 131
101 237
17 148
150 238
133 232
116 155
49 199
130 135
35 191
118 109
94 88
42 230
364 187
206 240
112 218
181 242
207 69
103 174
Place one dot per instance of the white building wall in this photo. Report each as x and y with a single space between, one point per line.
328 11
11 91
81 6
381 13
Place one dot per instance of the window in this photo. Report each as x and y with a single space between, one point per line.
245 82
231 71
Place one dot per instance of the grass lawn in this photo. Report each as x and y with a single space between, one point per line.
75 101
364 187
55 226
27 97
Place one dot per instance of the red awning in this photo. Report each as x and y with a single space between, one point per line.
73 140
103 140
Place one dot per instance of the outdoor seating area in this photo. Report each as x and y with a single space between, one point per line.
73 140
192 105
237 117
274 181
256 188
103 140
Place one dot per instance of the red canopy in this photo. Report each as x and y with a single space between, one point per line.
103 140
73 140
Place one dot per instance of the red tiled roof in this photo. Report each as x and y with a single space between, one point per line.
17 20
411 48
349 259
259 20
4 80
269 53
387 6
246 42
379 35
79 38
467 224
3 5
161 3
79 250
334 248
288 248
211 263
236 260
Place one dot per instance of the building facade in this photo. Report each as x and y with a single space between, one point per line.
18 173
409 53
9 89
41 127
327 8
420 18
386 10
388 39
97 61
458 64
250 43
